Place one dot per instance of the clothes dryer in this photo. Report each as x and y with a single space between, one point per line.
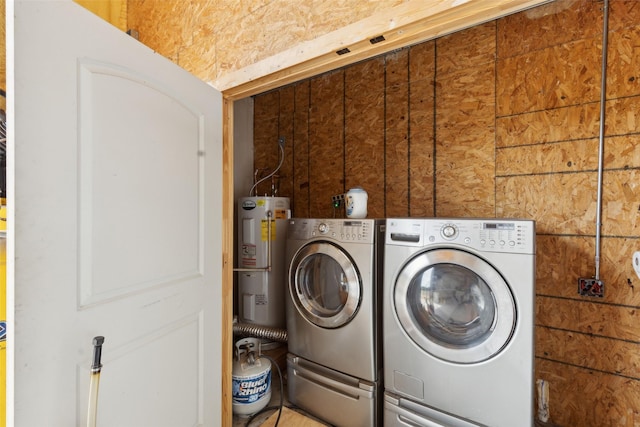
333 305
459 322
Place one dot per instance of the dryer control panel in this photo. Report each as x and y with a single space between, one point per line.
492 235
341 230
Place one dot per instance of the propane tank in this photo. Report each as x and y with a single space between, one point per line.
251 377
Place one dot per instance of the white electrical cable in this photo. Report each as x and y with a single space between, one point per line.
281 146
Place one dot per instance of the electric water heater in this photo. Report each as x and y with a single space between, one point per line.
262 282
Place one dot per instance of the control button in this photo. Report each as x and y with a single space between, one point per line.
512 243
432 238
467 240
322 227
492 242
501 242
482 242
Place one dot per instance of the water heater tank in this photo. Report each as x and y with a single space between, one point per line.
261 293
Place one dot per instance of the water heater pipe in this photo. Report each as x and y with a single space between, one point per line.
603 95
268 267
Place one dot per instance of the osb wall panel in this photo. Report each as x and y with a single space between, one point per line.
326 142
422 60
561 260
544 145
300 194
621 115
560 124
560 203
570 156
467 49
605 320
572 208
396 151
465 123
355 128
557 76
265 140
623 14
578 349
621 203
465 143
623 78
547 25
364 86
580 397
285 132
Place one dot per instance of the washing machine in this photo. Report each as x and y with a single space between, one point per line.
458 322
333 319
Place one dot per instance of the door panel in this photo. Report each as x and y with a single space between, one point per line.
325 285
156 192
454 305
114 226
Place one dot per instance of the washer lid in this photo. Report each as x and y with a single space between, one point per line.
455 305
325 284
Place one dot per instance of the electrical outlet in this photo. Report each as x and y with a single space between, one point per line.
590 287
337 200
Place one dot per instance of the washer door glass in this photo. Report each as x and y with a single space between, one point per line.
455 305
324 284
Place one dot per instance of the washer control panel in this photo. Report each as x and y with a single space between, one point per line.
494 235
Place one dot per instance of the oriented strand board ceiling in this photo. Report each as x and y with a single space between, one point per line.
408 23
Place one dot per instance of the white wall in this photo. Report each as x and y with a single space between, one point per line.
242 147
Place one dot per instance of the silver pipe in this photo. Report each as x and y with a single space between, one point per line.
603 96
258 331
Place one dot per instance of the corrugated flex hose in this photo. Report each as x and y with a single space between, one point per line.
258 331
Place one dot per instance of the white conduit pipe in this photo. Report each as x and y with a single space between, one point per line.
258 331
603 95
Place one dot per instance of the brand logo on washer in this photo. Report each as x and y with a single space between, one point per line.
248 205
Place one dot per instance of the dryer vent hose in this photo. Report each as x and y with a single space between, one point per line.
258 331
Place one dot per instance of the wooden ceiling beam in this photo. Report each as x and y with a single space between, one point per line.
410 23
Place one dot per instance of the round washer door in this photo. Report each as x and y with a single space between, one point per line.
455 305
325 284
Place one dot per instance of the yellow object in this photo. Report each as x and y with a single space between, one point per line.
265 230
112 11
3 312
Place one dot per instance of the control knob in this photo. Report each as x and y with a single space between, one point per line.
449 231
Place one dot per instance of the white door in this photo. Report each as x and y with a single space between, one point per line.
114 228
